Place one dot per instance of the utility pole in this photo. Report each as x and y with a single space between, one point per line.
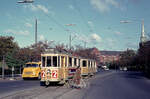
70 41
36 32
70 37
12 75
3 67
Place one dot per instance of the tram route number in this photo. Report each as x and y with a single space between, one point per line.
43 74
54 74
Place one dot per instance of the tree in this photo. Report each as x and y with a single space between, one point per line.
91 53
32 52
7 44
128 58
8 47
144 57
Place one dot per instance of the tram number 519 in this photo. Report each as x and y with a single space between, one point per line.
54 73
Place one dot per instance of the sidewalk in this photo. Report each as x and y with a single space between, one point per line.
9 77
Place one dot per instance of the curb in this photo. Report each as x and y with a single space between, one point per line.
10 79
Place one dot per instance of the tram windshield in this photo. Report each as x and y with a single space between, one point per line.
70 61
84 63
50 61
55 61
75 61
43 61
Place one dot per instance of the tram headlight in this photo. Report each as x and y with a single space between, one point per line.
34 73
48 71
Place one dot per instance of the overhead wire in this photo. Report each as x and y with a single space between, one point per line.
83 20
81 15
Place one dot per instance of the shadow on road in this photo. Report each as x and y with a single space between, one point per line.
134 75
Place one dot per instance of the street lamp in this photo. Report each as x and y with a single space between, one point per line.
25 1
70 36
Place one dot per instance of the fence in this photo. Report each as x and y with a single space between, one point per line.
8 72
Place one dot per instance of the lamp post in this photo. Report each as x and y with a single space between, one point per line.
70 36
70 40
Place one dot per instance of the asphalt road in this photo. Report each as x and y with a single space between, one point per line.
8 87
105 85
118 85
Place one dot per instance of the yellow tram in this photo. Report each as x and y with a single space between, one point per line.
60 67
88 67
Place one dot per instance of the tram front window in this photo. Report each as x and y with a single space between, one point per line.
84 64
70 61
55 61
43 61
75 61
49 61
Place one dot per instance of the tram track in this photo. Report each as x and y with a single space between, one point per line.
31 93
57 91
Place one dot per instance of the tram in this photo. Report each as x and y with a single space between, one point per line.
88 67
59 67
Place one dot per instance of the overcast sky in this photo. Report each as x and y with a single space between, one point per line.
105 24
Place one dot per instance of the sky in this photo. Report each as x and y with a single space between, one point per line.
105 24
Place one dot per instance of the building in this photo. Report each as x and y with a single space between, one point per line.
105 56
143 38
109 56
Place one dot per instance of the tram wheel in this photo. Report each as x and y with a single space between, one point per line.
47 83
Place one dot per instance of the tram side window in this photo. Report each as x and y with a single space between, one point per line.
55 61
65 61
70 61
62 61
88 63
43 61
92 64
49 61
84 64
58 61
75 61
79 63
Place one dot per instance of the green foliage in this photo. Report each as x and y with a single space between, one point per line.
11 60
88 53
144 57
8 49
127 57
7 45
15 56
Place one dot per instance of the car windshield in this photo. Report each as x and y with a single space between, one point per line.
31 65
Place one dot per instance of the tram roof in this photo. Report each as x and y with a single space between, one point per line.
64 52
54 51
